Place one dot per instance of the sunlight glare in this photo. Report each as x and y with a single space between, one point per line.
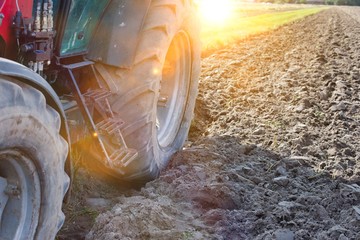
215 11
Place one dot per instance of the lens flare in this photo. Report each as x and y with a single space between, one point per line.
215 11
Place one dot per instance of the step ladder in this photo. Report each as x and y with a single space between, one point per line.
106 129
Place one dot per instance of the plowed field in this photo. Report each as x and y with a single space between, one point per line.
274 149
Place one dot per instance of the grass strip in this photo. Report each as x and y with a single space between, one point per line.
215 37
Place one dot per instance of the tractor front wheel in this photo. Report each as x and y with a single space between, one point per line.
32 157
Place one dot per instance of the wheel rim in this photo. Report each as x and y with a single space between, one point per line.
20 194
174 89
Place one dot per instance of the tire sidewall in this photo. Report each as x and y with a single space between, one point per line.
39 146
189 25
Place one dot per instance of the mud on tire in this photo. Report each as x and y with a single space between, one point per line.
32 157
156 97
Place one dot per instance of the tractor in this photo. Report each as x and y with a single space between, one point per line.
117 77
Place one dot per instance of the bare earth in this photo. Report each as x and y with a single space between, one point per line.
274 150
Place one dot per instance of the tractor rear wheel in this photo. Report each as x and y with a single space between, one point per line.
156 97
32 157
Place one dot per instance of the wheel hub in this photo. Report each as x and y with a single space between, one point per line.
174 89
19 195
3 195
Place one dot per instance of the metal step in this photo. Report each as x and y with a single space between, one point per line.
110 125
123 157
108 128
78 65
97 95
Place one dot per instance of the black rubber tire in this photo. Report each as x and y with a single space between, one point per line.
137 98
32 157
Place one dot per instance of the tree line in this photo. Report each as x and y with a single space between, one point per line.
343 2
327 2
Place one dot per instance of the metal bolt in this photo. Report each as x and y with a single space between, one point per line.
80 35
12 190
2 16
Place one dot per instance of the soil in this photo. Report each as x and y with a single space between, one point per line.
273 152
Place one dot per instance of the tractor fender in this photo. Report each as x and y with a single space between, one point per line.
24 74
115 40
